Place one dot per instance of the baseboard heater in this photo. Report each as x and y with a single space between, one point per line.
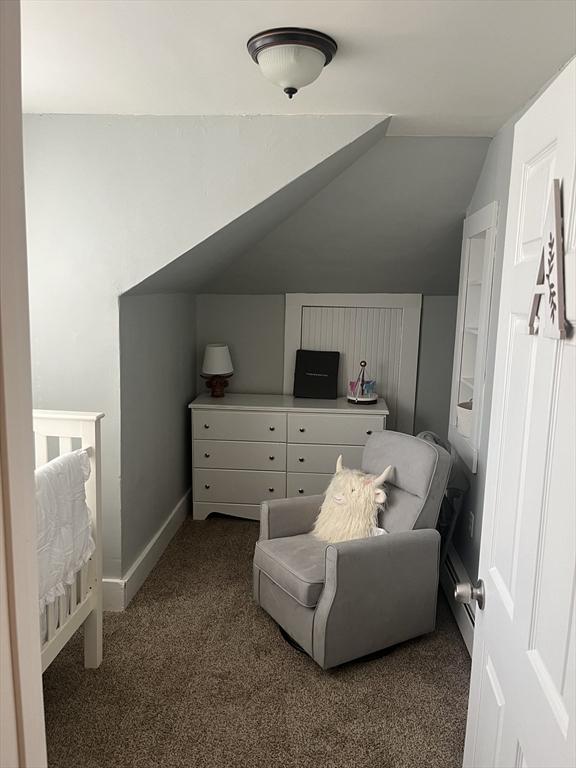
452 573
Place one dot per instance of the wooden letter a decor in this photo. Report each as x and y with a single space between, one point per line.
550 320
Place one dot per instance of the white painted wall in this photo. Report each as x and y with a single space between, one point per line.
109 201
253 327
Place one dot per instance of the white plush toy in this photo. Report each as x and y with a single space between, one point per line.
350 508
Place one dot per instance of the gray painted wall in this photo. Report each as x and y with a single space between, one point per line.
437 332
253 327
391 222
492 185
110 200
158 381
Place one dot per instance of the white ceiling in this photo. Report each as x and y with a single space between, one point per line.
443 67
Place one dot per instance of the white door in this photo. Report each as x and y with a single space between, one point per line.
522 699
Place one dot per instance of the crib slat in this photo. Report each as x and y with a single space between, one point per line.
51 616
40 449
73 597
65 444
83 581
62 610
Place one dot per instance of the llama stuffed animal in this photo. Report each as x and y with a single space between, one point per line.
350 508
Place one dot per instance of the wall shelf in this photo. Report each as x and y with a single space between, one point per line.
474 299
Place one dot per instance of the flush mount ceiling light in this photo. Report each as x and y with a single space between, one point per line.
291 57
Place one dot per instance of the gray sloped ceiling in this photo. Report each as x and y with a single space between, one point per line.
391 222
215 255
382 214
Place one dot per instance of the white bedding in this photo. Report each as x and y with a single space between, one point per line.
64 525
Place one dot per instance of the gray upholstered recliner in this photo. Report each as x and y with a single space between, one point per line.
346 600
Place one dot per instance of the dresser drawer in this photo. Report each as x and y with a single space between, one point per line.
239 425
306 484
332 428
223 454
322 458
238 486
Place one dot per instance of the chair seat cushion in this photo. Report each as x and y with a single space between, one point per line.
296 564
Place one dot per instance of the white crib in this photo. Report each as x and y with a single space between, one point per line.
55 433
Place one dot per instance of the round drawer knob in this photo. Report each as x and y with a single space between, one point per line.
206 426
368 431
206 455
301 459
271 458
272 429
302 429
271 490
300 490
206 486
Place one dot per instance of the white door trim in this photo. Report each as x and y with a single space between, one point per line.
16 438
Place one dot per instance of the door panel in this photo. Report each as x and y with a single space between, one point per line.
517 387
538 173
491 716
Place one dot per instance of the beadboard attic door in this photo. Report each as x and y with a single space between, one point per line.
381 328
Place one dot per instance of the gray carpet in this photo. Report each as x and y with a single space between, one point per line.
195 675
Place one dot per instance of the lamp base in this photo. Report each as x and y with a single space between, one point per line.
217 385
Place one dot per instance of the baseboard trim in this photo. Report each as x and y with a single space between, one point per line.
117 593
453 571
113 595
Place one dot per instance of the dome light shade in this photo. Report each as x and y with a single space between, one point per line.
291 57
291 66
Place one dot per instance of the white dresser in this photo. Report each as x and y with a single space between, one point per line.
250 448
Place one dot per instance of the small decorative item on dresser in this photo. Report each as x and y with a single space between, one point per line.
362 391
217 368
316 374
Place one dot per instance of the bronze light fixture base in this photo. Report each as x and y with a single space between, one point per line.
217 384
292 36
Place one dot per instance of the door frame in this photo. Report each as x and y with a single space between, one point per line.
22 721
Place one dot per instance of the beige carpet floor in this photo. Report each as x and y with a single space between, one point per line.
195 675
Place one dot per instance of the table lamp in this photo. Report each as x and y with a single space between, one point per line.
217 368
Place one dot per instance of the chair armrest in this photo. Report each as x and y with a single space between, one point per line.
378 592
412 554
289 517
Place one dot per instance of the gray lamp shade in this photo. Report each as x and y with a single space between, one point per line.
217 360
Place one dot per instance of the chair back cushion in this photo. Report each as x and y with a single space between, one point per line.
416 489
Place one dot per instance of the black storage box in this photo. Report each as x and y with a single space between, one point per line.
316 374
